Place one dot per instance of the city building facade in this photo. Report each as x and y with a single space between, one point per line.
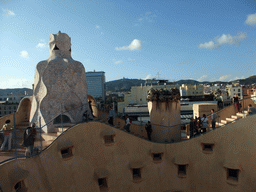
191 90
138 95
9 103
96 84
234 89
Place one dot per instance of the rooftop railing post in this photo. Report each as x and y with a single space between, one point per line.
40 127
61 118
243 106
169 134
141 125
15 136
114 114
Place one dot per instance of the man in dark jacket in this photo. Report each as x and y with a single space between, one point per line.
29 138
192 127
148 128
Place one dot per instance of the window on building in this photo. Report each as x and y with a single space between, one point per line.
66 152
10 112
103 184
182 170
14 107
238 94
232 174
0 108
0 112
238 90
0 99
4 108
10 108
5 112
136 173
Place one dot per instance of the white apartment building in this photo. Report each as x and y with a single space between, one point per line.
232 90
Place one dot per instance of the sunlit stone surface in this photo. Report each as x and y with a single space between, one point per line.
59 81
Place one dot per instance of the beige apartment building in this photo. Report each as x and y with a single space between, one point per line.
138 95
191 90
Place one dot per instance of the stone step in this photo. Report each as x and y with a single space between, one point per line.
49 136
234 117
240 114
59 133
224 121
60 129
230 119
219 124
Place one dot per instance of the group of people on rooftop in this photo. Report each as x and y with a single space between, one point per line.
29 137
200 125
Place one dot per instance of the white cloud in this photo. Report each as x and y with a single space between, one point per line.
251 20
224 39
204 77
24 54
8 12
16 83
129 59
224 78
134 45
41 45
208 45
233 79
117 61
149 76
97 26
228 39
147 17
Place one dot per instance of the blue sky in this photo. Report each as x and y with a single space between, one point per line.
169 39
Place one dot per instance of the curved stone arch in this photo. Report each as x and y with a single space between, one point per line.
23 110
65 119
93 103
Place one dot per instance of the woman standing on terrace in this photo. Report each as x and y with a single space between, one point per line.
236 103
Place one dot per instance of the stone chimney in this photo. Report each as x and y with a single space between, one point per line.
164 111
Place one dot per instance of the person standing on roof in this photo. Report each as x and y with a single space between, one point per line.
7 135
127 123
111 115
236 103
204 123
148 128
213 117
29 139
